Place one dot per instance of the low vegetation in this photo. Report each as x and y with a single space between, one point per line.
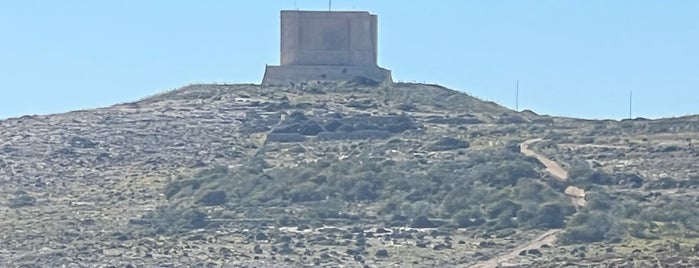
495 189
615 215
20 199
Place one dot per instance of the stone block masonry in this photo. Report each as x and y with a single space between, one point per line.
325 45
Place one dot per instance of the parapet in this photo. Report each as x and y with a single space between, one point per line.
327 45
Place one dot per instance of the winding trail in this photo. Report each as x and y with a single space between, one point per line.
576 194
552 167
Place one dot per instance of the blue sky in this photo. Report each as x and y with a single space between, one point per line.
572 58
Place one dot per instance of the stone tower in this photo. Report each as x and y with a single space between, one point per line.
328 46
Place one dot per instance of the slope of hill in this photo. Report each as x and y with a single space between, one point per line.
339 173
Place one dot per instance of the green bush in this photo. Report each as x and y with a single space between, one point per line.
465 219
363 191
213 198
487 186
671 210
551 215
506 173
598 199
447 143
21 199
588 227
172 219
305 192
467 197
535 191
503 209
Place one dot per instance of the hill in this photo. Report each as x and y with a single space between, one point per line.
327 174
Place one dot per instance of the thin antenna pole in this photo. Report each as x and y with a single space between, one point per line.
330 5
517 98
630 103
296 6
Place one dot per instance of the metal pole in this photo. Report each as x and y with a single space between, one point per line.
330 5
517 98
630 103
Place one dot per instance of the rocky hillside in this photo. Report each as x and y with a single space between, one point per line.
327 174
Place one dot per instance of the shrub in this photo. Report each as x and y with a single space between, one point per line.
534 191
447 143
551 215
172 219
509 173
422 222
305 128
527 215
414 210
457 200
408 107
195 219
22 199
589 227
213 198
598 199
505 208
486 186
465 219
601 178
675 210
354 135
505 221
305 192
285 137
363 191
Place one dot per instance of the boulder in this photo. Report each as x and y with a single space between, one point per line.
422 222
213 198
382 253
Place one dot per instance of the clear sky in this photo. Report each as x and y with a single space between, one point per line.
572 58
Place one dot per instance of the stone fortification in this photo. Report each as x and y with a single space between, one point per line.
325 45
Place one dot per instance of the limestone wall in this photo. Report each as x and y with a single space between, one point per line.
329 46
328 38
281 75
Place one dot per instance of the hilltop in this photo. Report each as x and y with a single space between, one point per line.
346 173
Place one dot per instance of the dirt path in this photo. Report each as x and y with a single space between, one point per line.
552 167
576 194
549 237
